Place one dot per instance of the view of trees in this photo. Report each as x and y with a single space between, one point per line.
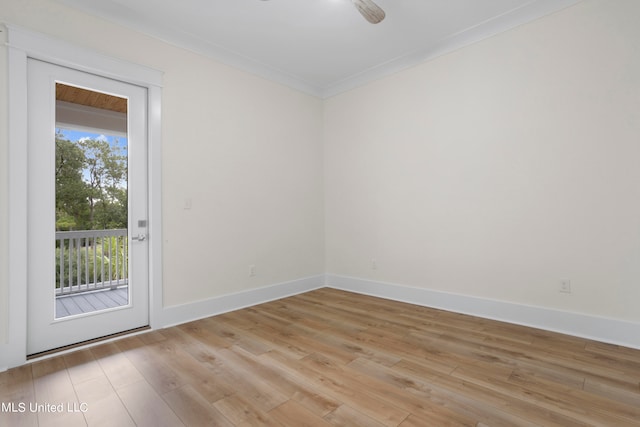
91 191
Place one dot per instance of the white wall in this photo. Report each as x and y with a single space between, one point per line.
251 162
246 151
492 172
4 182
500 169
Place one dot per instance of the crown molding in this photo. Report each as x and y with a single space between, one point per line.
533 10
123 15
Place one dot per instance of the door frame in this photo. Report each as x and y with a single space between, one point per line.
45 330
23 44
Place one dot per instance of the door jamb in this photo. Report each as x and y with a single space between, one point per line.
23 44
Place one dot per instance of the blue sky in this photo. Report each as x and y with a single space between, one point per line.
76 135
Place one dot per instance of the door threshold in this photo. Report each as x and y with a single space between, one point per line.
91 342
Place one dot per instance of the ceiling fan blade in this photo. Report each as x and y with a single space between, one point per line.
371 11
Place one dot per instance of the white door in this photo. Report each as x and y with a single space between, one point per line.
101 275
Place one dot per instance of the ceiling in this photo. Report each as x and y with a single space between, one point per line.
90 98
322 47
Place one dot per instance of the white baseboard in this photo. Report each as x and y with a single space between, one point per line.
601 329
12 355
177 314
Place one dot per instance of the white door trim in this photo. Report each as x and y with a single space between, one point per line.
23 44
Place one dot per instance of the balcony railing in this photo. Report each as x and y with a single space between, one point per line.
91 260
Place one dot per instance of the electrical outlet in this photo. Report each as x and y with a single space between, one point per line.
565 286
374 264
252 270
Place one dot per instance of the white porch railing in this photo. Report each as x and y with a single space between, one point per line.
91 260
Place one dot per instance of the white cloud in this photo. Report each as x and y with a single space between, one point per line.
102 138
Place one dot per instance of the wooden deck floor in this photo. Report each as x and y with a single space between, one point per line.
332 358
87 302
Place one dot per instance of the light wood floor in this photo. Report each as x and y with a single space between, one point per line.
330 358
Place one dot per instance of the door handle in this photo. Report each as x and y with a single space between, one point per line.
140 237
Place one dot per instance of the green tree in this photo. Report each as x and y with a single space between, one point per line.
91 188
112 214
106 168
71 191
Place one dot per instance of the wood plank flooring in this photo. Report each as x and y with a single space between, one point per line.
332 358
86 302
